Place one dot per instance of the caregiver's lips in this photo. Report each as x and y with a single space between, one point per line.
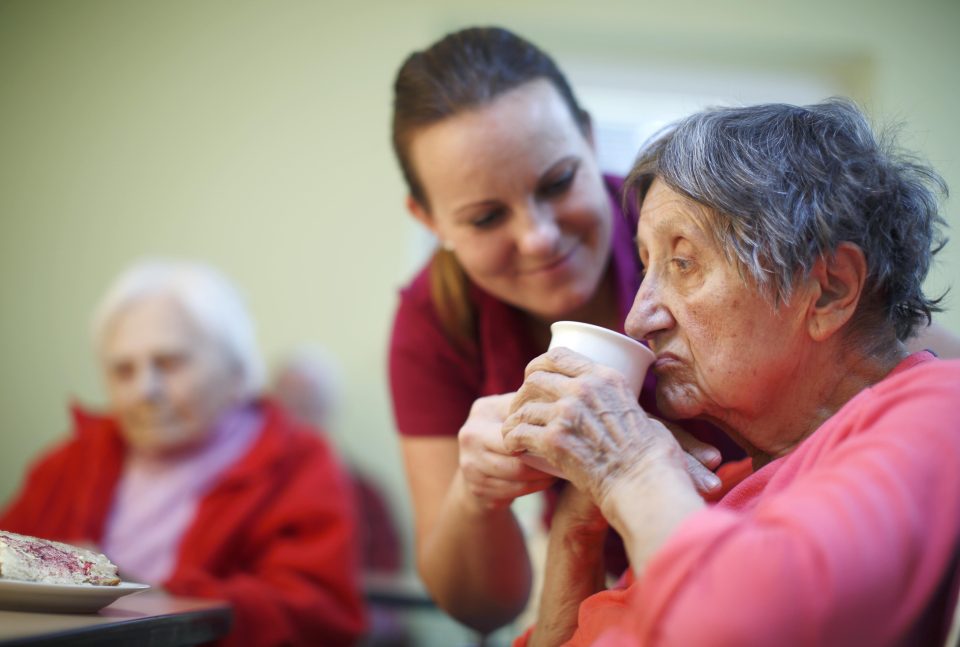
554 263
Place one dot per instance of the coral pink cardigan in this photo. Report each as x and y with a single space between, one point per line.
851 539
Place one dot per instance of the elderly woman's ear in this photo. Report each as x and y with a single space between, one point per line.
836 285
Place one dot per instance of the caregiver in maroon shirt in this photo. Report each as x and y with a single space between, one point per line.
500 165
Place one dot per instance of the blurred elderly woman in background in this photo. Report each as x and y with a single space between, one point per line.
784 253
192 482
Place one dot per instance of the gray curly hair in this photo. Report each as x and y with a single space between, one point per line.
790 183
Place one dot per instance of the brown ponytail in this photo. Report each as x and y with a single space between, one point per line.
450 291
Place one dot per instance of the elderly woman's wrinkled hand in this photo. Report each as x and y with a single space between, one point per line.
701 458
494 475
582 418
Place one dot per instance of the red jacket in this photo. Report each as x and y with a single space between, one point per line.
276 536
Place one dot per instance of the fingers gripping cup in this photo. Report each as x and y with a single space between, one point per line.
607 347
603 346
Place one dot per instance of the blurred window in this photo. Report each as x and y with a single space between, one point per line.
629 106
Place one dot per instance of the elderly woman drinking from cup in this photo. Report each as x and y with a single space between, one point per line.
784 250
192 481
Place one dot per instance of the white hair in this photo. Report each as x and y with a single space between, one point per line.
210 300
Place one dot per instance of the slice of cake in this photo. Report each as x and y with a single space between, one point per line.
40 560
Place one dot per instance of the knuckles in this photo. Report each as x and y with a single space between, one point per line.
567 411
468 438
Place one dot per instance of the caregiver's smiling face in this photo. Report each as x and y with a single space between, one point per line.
513 187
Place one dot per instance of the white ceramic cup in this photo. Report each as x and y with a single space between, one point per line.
603 346
606 347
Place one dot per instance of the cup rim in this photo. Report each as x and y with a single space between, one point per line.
606 332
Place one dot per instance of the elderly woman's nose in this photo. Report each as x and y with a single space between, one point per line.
148 383
538 232
649 314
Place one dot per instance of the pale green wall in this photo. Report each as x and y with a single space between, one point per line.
255 135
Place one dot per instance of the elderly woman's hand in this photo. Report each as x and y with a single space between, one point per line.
494 475
582 418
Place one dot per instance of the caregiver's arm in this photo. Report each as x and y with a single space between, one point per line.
471 552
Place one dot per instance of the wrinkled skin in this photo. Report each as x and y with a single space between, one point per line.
492 465
582 418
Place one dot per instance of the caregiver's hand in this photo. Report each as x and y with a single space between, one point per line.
493 475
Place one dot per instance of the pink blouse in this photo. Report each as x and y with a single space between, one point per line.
851 539
156 497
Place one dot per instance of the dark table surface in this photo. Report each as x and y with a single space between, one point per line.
148 619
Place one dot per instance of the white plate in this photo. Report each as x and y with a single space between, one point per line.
62 598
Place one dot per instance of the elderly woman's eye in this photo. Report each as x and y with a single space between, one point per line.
682 264
121 371
170 361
